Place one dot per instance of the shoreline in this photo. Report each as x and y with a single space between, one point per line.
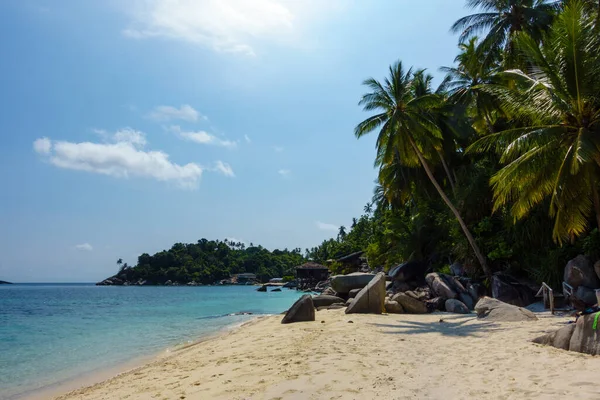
373 356
93 378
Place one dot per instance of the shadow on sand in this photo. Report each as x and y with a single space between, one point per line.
452 325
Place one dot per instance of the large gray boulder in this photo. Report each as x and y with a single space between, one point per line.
456 306
356 280
302 310
560 339
579 272
410 304
371 299
587 295
496 310
393 307
585 338
411 270
324 300
507 289
467 300
441 286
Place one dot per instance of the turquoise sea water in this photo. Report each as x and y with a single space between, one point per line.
53 333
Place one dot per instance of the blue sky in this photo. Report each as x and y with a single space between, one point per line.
129 126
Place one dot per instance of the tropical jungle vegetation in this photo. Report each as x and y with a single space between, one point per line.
498 167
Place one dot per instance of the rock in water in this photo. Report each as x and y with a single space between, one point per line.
324 300
441 285
276 290
409 304
371 299
302 310
507 289
393 307
496 310
263 288
456 306
560 339
356 280
578 272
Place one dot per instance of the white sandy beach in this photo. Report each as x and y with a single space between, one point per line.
396 356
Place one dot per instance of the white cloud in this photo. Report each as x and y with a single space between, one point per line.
327 227
284 172
202 137
84 247
278 149
42 145
247 138
224 168
168 113
122 159
227 26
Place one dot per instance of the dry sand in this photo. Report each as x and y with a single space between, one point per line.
376 356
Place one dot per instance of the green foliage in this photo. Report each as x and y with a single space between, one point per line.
209 261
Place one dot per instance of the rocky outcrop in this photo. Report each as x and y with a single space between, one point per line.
326 300
507 289
393 307
441 285
496 310
276 290
560 339
410 304
263 288
345 283
371 299
302 310
5 283
456 306
411 270
580 336
579 272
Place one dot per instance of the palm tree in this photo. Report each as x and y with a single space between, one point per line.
342 233
557 153
502 20
407 131
368 208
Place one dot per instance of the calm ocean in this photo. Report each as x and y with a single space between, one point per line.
52 333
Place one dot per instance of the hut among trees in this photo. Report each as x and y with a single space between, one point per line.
354 262
309 274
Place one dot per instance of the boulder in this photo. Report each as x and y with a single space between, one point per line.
356 280
411 270
326 300
276 290
393 307
587 295
467 300
456 306
560 339
473 289
597 268
349 301
579 272
302 310
329 291
352 294
399 286
457 269
441 285
436 304
507 289
585 338
371 299
335 306
263 288
409 304
496 310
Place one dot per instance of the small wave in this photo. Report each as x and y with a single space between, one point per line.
227 315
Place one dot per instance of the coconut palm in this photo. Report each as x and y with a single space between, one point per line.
502 20
407 130
556 154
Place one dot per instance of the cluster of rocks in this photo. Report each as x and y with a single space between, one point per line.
116 281
584 279
582 336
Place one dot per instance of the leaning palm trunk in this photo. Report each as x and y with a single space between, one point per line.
480 257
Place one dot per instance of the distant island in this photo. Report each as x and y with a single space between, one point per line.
207 262
5 283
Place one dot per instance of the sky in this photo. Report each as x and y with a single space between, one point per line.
128 126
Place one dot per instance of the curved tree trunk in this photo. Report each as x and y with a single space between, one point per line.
447 170
480 257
